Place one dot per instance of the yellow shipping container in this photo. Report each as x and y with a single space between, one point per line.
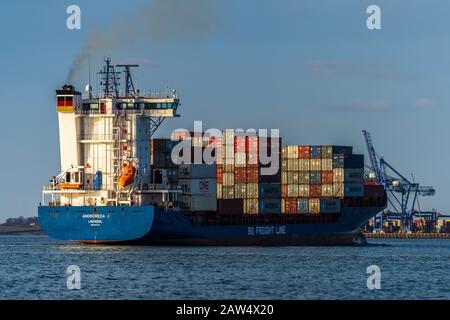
284 177
284 152
316 164
219 191
240 191
228 168
304 164
303 190
338 175
292 164
283 206
314 206
292 177
327 164
251 206
228 161
338 190
252 190
304 177
327 190
292 190
240 158
228 179
227 192
228 137
284 165
292 152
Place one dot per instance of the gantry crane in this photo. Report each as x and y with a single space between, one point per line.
402 192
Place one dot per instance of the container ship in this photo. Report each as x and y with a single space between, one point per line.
118 184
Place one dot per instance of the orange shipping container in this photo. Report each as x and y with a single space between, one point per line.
303 152
290 205
284 190
240 175
327 177
252 174
315 190
219 174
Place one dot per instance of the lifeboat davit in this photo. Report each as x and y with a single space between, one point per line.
127 176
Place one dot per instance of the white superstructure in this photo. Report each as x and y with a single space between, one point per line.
102 134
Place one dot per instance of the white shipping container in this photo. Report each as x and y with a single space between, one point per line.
199 203
199 186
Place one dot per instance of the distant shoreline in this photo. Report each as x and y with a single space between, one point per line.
20 230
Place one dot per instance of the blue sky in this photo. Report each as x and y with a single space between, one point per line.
310 68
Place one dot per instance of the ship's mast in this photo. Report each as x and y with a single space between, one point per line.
109 80
129 85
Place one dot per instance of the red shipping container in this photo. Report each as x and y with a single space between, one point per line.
291 205
252 144
219 174
239 144
240 175
284 189
304 152
315 190
252 174
327 177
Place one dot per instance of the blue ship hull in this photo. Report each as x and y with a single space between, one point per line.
148 225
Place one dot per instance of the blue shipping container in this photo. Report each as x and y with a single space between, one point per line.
354 190
315 177
270 190
270 206
303 205
316 152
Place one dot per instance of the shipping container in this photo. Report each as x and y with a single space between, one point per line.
338 161
240 144
284 152
290 205
315 190
230 206
292 165
269 190
228 179
228 137
316 152
314 206
304 190
330 206
354 161
304 152
194 171
240 175
327 164
374 191
292 152
284 177
353 189
292 177
251 206
327 152
227 192
252 144
270 206
304 165
283 206
252 174
252 190
316 164
240 191
342 150
292 190
284 191
338 190
229 168
198 203
327 177
240 158
327 190
338 175
302 205
199 186
354 175
303 177
219 174
315 177
219 191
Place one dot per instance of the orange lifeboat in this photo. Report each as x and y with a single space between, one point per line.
127 176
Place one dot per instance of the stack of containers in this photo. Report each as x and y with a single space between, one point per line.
242 188
160 159
315 178
199 185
